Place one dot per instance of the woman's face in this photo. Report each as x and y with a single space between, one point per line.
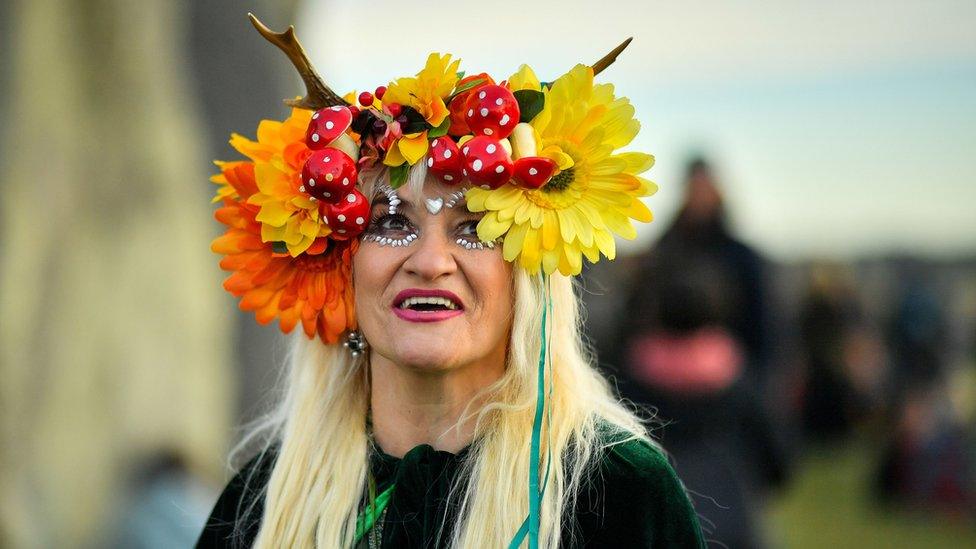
429 294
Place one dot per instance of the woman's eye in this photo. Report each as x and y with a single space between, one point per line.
390 223
468 228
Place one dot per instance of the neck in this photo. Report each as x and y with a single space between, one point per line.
412 407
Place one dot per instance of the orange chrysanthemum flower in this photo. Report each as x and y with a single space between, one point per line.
314 288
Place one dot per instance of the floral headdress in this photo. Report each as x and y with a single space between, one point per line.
540 159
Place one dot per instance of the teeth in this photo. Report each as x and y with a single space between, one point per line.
442 301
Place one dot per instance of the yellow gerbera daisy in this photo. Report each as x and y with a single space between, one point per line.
594 196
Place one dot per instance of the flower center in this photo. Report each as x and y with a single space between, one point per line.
560 181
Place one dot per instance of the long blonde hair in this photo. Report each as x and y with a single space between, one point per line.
319 477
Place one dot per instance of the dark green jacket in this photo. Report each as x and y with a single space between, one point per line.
634 499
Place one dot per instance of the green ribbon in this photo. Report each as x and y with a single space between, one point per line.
367 519
530 526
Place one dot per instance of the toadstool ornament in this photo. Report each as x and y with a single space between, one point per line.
532 172
327 125
492 111
486 162
348 216
458 104
328 175
445 161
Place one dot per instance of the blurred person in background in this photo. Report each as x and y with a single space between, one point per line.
927 461
694 351
827 315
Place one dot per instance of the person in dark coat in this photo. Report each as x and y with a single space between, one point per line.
694 350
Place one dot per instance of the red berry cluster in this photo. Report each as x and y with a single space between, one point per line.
329 175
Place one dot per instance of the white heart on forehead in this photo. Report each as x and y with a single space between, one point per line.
434 205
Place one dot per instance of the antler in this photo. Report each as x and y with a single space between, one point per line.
609 58
319 95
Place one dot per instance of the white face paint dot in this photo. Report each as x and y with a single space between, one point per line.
499 101
482 94
327 158
483 111
447 153
533 171
315 138
499 169
345 181
337 108
465 172
360 221
311 182
329 125
329 177
448 178
491 148
327 195
341 217
486 187
350 198
341 230
489 131
326 219
465 151
315 116
430 162
301 189
504 120
476 165
470 112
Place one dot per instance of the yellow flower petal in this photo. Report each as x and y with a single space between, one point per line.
393 156
273 213
524 79
413 146
490 227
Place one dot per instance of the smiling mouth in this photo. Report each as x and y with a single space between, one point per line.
428 304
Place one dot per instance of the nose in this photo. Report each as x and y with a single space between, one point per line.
432 256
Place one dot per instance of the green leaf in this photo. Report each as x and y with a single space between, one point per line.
465 87
440 130
279 247
530 104
398 175
460 75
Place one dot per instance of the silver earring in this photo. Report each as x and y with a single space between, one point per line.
356 343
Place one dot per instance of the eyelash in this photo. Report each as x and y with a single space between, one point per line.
376 232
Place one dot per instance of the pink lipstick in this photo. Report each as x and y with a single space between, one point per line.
421 305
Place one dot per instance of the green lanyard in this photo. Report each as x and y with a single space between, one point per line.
367 519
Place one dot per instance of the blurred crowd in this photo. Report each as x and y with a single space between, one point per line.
744 365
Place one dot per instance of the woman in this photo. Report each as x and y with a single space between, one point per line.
464 410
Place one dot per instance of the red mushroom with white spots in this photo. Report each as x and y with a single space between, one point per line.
327 125
487 162
532 172
328 175
493 112
348 216
445 161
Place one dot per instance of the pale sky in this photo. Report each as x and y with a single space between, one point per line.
839 128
